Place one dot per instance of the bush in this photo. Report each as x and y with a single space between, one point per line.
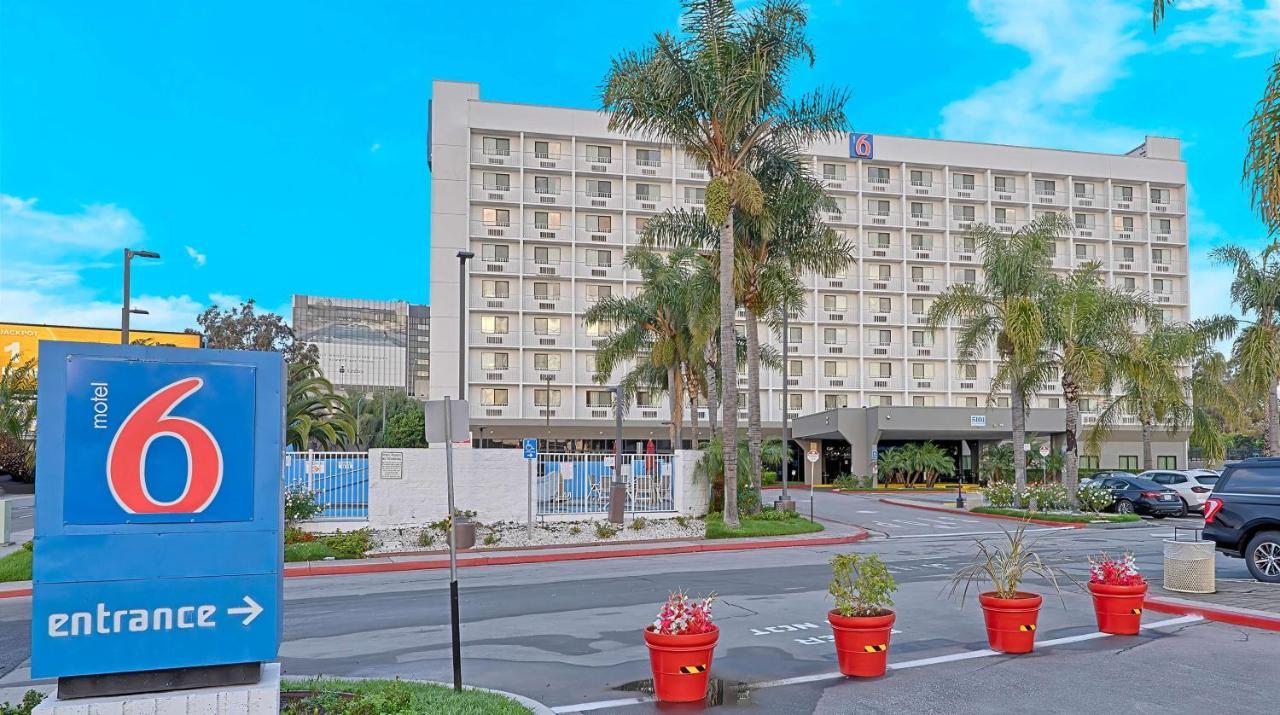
294 535
350 545
29 702
682 521
575 530
844 481
769 478
605 530
639 523
861 585
491 538
1048 497
776 515
999 494
426 539
300 504
1094 497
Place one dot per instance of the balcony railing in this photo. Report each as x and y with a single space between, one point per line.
882 186
1088 200
548 160
972 191
875 282
1134 203
597 199
1051 197
924 220
875 249
548 231
547 302
497 229
599 165
931 188
495 192
548 197
1011 195
494 157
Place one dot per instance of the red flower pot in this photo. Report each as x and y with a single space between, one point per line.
1011 622
681 664
862 643
1118 608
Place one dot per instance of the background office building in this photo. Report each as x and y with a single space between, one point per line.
368 345
549 200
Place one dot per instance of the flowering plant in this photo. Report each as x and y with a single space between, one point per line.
1115 572
684 616
301 504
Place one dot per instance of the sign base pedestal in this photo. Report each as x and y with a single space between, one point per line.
258 698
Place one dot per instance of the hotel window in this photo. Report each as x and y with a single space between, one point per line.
540 398
1124 193
1054 403
795 334
1129 284
546 361
1159 196
597 293
795 398
495 252
604 328
838 205
597 154
878 207
920 274
1129 462
921 177
1166 461
1004 215
963 213
834 402
1046 187
493 396
835 303
598 189
495 289
546 149
646 398
1002 402
918 306
1124 223
880 305
921 338
967 372
546 220
920 209
833 172
835 336
1082 221
545 326
922 400
970 402
647 192
496 217
599 258
1159 256
835 368
968 275
546 184
1126 254
1005 184
921 242
496 146
495 361
879 239
1088 461
546 291
1082 252
589 364
1164 225
1161 285
1083 190
880 370
494 324
695 195
963 182
884 271
795 368
882 400
877 175
496 182
546 255
1042 215
648 157
599 224
966 244
883 338
599 398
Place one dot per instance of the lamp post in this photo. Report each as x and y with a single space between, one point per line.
454 617
617 490
125 310
785 503
547 407
463 257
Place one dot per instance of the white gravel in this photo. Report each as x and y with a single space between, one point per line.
501 535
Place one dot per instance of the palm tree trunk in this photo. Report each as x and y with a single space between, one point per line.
753 396
1018 418
1071 467
1272 446
691 392
713 402
729 373
675 397
1148 427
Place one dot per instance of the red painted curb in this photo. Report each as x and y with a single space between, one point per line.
339 569
952 510
1253 620
15 593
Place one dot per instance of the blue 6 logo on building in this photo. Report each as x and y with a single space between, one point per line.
862 146
156 449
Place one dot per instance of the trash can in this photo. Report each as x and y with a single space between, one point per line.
466 533
1188 563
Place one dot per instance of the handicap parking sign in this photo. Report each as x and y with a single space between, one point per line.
530 448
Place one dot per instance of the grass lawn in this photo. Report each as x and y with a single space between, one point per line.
759 526
16 566
394 696
309 551
1057 516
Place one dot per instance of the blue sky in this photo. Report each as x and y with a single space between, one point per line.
267 149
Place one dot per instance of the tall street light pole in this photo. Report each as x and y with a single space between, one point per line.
454 617
785 503
617 490
125 310
547 406
463 257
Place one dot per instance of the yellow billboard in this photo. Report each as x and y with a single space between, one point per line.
22 340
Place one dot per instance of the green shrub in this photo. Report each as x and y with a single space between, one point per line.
861 585
769 478
349 545
29 545
771 514
426 539
682 521
30 700
605 530
1048 497
844 481
300 504
999 494
575 530
639 523
1094 497
491 538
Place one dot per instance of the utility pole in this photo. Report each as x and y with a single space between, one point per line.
785 503
125 309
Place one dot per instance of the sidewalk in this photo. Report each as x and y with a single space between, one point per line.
1242 602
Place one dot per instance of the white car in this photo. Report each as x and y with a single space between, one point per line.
1192 485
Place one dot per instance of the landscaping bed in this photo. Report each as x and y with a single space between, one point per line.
768 523
326 696
17 565
506 535
1062 516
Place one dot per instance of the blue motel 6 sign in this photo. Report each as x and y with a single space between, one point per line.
158 509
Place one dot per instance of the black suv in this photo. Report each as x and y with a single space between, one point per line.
1242 516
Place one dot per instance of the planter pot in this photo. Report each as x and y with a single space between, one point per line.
1011 622
681 664
862 643
1118 608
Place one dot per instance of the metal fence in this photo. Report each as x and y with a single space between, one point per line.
340 481
579 483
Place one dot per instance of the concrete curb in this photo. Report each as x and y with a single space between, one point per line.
17 592
1214 612
953 510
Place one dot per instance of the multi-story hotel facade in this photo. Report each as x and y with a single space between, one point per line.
549 200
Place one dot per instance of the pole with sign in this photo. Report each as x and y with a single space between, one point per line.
445 420
812 456
530 457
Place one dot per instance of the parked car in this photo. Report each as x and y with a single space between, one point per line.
1242 515
1192 486
1135 495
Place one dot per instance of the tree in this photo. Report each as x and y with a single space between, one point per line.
1255 289
1005 309
717 91
1088 326
374 412
244 328
406 429
932 461
1216 406
18 419
996 463
316 416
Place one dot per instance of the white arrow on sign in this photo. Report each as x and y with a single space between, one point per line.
250 610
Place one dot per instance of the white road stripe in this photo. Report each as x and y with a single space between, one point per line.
904 665
977 533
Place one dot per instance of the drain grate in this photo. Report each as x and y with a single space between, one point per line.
717 690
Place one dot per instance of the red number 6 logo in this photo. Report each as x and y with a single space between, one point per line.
149 421
862 147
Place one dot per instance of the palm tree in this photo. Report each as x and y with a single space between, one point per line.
1256 352
1216 406
1005 309
18 419
996 462
717 91
1088 326
651 328
933 461
316 416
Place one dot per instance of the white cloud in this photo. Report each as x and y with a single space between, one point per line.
1076 51
58 308
199 258
1251 29
225 300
